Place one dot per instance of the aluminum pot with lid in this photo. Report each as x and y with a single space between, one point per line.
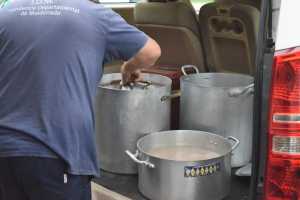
220 103
124 114
177 165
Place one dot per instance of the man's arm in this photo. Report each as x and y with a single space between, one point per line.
145 58
125 42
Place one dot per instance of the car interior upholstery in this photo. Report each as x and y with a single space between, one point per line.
174 25
220 38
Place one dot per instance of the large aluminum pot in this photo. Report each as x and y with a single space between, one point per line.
171 179
220 103
123 115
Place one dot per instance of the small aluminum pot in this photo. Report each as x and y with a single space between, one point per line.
167 179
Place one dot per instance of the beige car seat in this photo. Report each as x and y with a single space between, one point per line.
174 25
229 32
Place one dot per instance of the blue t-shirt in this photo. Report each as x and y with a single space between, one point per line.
51 57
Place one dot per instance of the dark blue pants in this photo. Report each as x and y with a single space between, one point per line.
29 178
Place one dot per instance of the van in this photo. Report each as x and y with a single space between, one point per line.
270 52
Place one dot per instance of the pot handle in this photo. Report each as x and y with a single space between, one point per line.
183 69
174 95
136 160
236 142
237 91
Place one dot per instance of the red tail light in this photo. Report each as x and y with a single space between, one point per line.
283 165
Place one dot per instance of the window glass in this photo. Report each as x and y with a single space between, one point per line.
199 3
2 3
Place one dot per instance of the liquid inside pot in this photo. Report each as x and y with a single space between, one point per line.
183 153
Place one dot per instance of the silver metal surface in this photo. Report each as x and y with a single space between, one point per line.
185 67
245 171
134 157
175 94
205 105
236 142
176 180
238 91
123 116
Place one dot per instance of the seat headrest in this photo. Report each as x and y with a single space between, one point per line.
178 14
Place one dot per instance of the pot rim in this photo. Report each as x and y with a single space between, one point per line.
166 81
187 79
182 132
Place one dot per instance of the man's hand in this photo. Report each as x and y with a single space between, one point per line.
146 57
130 75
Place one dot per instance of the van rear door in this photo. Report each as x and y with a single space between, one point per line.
276 158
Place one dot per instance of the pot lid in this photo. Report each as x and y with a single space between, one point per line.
139 85
149 81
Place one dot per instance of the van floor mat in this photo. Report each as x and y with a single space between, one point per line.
127 185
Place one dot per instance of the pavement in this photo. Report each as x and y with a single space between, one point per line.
102 193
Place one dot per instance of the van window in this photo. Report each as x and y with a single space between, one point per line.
199 3
2 3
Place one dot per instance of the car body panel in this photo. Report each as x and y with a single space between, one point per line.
288 29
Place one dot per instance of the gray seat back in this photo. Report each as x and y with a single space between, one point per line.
174 26
229 34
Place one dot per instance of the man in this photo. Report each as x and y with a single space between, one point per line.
51 56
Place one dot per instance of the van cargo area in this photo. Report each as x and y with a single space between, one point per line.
205 108
127 186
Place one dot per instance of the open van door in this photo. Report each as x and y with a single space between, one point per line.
276 152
